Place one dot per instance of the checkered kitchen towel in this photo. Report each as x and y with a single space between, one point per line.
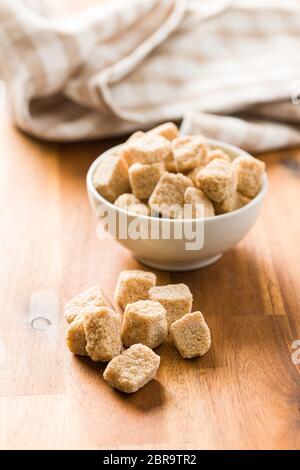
230 69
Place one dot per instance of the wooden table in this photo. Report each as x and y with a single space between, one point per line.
243 394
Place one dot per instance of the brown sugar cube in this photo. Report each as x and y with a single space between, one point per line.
231 203
189 152
217 179
144 322
170 164
197 198
146 149
217 153
135 135
125 200
194 172
93 297
133 285
102 328
111 178
75 337
168 195
250 172
132 369
176 298
129 202
143 178
191 335
168 130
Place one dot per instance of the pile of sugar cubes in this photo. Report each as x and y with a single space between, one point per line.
151 314
159 171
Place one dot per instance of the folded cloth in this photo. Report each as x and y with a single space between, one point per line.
228 68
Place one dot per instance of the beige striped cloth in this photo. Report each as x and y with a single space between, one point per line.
229 69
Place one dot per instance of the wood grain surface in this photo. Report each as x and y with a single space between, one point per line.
243 394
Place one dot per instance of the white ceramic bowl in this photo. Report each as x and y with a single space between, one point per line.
220 233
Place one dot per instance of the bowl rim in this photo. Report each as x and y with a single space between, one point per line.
214 142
